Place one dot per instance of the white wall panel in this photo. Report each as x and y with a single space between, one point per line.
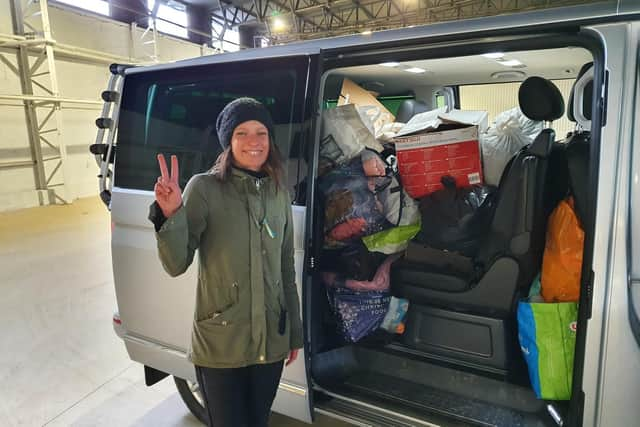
89 31
5 17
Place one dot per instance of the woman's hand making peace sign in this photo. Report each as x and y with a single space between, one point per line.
168 194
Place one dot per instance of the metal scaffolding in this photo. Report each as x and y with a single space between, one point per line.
43 115
307 19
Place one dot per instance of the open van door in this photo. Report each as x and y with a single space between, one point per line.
634 227
171 109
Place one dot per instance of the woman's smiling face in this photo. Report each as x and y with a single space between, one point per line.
250 145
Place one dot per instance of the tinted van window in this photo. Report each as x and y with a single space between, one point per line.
174 112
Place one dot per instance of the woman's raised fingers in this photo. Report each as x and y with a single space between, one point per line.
164 172
175 174
162 188
158 189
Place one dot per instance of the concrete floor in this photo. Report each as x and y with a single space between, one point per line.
61 364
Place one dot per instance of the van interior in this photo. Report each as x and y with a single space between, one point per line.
458 358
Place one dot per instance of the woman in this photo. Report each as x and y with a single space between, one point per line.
238 215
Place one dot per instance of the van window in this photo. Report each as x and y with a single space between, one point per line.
175 113
498 97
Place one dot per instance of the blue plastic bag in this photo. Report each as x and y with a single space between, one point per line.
547 336
358 313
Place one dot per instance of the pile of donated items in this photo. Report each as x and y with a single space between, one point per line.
393 190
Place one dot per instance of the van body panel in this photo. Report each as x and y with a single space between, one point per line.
160 357
141 292
611 379
293 397
634 229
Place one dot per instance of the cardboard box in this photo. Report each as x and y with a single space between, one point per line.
351 93
432 120
425 158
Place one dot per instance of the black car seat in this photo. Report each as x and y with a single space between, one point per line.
512 248
578 142
409 108
483 304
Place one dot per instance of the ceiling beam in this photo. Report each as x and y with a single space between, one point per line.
362 8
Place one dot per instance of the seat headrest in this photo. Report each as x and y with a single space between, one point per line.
586 95
540 99
409 108
542 145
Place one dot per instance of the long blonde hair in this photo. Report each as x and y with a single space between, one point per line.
272 166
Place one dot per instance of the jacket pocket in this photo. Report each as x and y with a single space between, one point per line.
221 318
223 301
221 340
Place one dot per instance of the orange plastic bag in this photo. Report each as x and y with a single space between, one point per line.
562 261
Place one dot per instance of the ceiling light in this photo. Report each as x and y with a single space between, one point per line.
511 63
513 75
278 24
415 70
493 55
390 64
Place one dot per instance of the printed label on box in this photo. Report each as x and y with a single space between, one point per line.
474 178
424 159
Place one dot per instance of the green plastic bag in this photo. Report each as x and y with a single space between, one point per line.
395 239
547 335
392 240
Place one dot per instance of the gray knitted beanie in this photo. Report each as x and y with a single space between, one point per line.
239 111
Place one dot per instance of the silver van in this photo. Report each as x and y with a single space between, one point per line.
458 362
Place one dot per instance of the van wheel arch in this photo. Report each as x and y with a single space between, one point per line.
192 398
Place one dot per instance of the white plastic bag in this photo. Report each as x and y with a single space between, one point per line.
389 131
511 131
401 211
344 136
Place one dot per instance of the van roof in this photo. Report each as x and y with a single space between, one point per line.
573 15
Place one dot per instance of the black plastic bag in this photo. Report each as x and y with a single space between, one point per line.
456 219
354 261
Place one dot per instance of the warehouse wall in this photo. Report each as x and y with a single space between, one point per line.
496 98
76 79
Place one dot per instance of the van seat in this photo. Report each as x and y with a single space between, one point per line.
409 108
510 253
578 147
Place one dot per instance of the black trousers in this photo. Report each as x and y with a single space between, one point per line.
239 397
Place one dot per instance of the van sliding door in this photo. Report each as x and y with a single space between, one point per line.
172 109
634 224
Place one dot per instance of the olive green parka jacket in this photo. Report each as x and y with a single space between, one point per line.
247 307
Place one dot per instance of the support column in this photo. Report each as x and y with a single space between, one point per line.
31 117
199 20
51 174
